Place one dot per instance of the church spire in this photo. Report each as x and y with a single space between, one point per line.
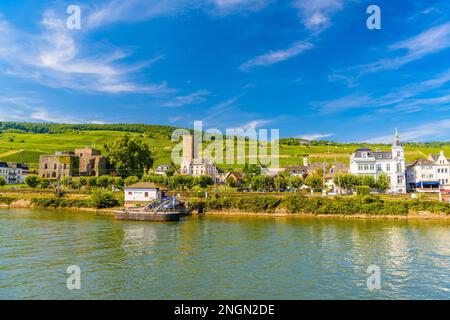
396 139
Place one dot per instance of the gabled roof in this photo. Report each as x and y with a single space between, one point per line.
144 185
420 162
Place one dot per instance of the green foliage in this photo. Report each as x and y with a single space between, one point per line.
103 199
60 203
129 156
32 180
7 200
91 182
315 182
260 183
362 190
103 181
382 182
44 183
131 180
231 182
251 170
295 182
279 182
2 181
203 181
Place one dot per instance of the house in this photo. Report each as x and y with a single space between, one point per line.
426 175
364 161
60 164
161 170
13 173
141 193
297 171
195 165
237 177
92 163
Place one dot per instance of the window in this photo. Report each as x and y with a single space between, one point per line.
130 193
360 167
372 167
388 167
399 167
146 194
379 167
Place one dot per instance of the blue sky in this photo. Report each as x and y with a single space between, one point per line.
310 68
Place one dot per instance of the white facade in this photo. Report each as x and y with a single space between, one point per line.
364 161
12 174
142 192
433 172
199 166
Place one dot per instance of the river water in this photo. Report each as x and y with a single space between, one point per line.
221 257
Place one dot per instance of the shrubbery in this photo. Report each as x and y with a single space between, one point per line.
103 199
368 205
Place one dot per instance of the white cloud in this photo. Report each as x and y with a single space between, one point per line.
315 136
190 99
274 57
54 58
396 100
431 131
430 41
232 6
254 124
316 15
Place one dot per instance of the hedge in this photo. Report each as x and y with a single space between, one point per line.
369 205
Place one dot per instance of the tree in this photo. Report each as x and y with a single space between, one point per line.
382 182
131 180
32 180
295 182
129 156
204 181
262 183
314 182
66 181
2 181
279 182
103 199
92 181
367 180
251 170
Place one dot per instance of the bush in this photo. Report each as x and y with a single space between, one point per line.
60 203
131 180
7 200
362 190
2 182
103 181
103 199
32 180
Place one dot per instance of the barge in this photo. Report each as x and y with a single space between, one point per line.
167 209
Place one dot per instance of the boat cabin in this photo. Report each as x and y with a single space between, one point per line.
141 193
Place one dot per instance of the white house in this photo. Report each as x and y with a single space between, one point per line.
429 174
364 161
141 193
13 173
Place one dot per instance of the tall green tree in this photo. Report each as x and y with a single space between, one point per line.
382 182
129 156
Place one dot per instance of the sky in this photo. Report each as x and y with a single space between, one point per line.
311 69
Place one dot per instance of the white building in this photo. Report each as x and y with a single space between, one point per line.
364 161
429 174
141 193
13 173
193 165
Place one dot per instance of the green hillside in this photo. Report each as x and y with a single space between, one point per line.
25 142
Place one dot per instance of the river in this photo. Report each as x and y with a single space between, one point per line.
221 257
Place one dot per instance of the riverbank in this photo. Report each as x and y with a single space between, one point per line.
297 205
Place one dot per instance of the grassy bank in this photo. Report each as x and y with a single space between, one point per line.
341 206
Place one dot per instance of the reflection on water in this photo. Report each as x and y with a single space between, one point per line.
221 258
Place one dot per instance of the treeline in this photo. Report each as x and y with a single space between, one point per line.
367 205
50 128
